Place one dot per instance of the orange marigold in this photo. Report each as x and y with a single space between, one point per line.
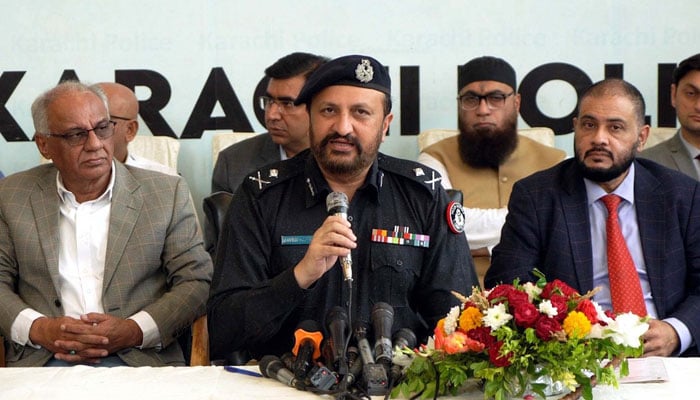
576 325
470 319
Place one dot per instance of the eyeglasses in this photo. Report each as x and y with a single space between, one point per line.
494 100
103 130
285 105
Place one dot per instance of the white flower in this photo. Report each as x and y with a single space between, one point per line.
626 330
497 316
532 290
548 309
451 320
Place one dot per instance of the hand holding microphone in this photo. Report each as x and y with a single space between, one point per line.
332 240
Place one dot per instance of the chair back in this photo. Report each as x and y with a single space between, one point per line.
221 141
426 138
658 135
215 206
199 354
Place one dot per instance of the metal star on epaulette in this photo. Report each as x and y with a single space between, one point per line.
273 173
364 71
419 171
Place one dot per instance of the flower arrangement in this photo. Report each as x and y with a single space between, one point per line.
512 336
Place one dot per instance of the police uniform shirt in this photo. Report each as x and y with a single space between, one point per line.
256 302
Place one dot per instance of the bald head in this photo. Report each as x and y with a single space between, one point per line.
124 110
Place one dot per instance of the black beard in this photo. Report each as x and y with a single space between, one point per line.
364 158
605 175
487 148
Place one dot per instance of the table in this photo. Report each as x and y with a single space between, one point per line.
174 383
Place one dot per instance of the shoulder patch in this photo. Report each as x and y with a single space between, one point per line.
417 172
456 218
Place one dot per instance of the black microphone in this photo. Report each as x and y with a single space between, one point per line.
307 347
382 320
337 204
337 326
404 337
374 376
272 367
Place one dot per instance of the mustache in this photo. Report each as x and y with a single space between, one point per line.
599 150
335 136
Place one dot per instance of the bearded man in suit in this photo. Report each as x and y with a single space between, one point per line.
100 263
557 223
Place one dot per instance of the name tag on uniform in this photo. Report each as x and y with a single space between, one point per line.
295 240
400 236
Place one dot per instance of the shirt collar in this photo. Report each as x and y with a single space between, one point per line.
317 187
67 196
692 150
625 190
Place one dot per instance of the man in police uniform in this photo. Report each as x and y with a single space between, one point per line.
279 249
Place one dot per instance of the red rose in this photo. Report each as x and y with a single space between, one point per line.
516 298
482 334
500 293
546 326
526 315
559 302
496 359
588 309
558 287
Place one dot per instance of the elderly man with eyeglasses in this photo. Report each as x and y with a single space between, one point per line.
488 156
124 111
287 124
100 263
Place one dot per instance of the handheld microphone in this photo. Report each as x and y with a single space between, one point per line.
337 204
307 347
362 343
272 367
382 320
337 325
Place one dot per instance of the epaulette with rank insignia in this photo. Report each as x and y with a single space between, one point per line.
426 176
273 174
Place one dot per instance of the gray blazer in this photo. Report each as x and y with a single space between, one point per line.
672 154
237 160
155 258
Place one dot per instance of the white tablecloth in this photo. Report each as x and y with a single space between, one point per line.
173 383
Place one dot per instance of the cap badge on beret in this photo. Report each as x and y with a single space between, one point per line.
364 71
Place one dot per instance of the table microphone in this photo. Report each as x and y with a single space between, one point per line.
337 204
382 321
272 367
307 347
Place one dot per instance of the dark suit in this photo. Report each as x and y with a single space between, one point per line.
155 260
235 161
548 228
672 154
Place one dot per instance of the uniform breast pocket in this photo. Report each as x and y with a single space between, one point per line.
395 270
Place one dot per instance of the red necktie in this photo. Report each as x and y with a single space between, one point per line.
625 289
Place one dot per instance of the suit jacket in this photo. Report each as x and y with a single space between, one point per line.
155 258
672 154
548 228
237 160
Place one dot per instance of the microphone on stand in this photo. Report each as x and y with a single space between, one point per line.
382 321
337 204
307 347
374 378
337 326
272 367
404 337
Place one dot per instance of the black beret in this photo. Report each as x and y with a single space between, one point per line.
486 68
354 70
